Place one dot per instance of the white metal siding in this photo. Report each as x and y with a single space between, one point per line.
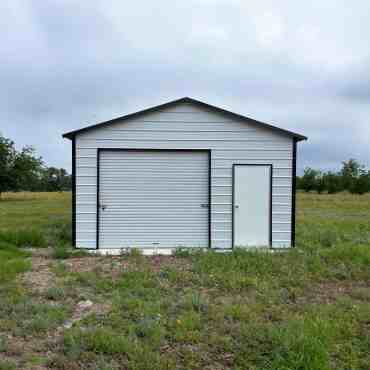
187 126
153 199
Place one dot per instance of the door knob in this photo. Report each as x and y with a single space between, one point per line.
236 206
103 207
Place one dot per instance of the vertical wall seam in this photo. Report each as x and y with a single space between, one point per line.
294 180
97 195
74 192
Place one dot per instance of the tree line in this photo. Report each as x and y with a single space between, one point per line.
23 170
352 177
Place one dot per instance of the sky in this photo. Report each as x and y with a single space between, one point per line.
303 66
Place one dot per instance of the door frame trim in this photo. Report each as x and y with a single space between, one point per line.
233 200
99 150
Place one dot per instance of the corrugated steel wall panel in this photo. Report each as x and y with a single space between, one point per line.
189 127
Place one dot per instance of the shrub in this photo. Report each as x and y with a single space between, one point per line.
182 252
328 238
62 251
59 232
150 329
55 293
101 340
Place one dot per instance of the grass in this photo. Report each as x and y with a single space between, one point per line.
13 261
306 308
35 219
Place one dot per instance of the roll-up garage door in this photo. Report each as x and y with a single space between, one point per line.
153 199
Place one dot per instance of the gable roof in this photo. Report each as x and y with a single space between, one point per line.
298 137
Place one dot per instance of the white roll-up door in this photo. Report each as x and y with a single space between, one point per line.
153 198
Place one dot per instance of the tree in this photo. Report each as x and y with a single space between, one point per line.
308 180
361 184
333 182
26 170
7 155
351 170
56 179
320 185
23 170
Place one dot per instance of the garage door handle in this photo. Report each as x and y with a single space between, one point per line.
204 205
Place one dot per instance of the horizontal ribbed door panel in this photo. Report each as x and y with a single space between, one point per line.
153 198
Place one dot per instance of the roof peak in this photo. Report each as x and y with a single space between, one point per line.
298 137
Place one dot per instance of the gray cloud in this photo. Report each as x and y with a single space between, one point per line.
302 67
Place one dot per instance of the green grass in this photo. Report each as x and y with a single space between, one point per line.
6 365
307 308
12 261
35 219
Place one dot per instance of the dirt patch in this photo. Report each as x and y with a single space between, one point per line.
158 262
83 309
27 354
114 266
110 266
330 292
40 277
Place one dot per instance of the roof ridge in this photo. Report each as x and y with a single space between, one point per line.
298 137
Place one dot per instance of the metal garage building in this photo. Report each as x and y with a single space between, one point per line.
183 174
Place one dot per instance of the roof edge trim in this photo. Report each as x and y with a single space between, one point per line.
71 134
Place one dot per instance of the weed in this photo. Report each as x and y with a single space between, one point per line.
12 261
3 344
197 302
186 327
59 231
60 269
55 293
103 341
182 252
62 251
135 255
150 329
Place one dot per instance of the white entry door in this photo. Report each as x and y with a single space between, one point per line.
252 205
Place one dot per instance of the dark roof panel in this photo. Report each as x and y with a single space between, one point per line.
298 137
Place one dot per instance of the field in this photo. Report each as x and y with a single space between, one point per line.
307 309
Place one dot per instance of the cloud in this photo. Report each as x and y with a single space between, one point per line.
300 66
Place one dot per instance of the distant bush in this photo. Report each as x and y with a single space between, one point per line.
353 177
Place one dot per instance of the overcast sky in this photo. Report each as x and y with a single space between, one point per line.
303 66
